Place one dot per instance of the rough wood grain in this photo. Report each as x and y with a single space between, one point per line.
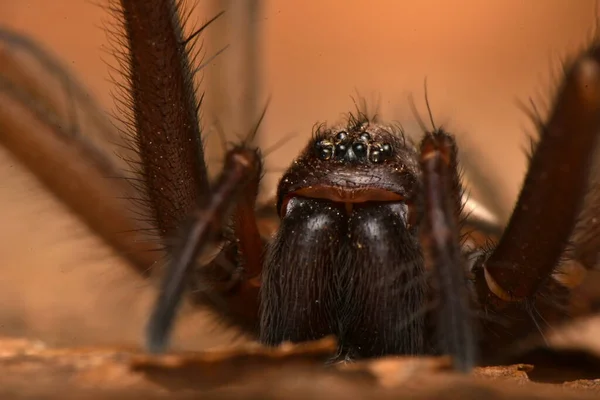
31 370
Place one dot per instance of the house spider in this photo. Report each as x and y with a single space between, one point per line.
371 241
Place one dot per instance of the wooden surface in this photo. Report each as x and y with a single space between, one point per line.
29 370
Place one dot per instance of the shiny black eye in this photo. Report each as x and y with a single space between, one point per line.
325 153
324 150
341 136
365 137
386 149
376 156
340 150
360 149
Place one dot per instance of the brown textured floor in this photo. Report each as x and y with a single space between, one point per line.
59 285
251 372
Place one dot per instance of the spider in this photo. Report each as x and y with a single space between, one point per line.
371 243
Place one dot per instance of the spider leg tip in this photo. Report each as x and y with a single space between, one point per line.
156 335
156 342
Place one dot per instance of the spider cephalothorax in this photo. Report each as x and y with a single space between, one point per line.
354 163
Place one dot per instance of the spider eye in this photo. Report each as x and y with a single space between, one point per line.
324 150
380 152
341 135
365 137
376 156
360 149
325 153
340 150
386 149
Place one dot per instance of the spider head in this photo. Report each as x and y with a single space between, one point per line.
357 162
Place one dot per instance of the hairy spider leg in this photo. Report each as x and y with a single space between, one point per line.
441 247
512 277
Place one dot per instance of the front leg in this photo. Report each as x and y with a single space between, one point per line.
165 124
242 168
167 135
452 322
514 280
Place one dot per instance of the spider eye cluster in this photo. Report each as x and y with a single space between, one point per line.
353 148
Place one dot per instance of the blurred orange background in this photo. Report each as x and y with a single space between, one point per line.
479 58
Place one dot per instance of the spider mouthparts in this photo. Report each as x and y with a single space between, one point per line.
340 194
349 197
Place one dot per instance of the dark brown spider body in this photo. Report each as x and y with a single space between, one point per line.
346 259
370 246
